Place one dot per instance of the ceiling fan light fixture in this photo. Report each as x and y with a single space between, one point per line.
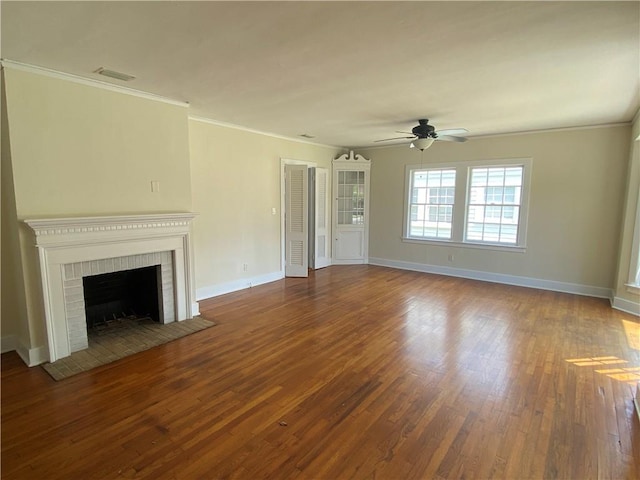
422 143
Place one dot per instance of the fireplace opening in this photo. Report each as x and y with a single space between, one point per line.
127 294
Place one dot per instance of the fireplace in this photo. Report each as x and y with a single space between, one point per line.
80 309
74 251
127 293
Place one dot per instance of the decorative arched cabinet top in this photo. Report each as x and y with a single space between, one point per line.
352 161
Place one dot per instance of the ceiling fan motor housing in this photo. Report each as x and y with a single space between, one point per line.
424 130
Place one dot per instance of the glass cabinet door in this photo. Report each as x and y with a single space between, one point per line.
351 197
350 211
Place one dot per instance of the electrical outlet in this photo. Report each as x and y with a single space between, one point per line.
451 257
155 186
245 267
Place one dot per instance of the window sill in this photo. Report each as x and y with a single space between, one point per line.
633 288
479 246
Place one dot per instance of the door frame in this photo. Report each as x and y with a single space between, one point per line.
283 162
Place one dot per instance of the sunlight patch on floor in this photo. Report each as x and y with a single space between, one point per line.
630 375
590 361
632 330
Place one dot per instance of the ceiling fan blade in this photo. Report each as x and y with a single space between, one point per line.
396 138
452 131
400 131
450 138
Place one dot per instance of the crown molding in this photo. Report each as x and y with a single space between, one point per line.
197 118
551 130
510 134
47 72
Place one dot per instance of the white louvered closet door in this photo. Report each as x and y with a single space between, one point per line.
322 227
296 226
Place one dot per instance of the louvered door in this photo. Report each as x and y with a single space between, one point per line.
322 227
296 226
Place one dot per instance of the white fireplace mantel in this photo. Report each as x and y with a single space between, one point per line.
64 241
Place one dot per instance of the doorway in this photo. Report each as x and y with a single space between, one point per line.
305 226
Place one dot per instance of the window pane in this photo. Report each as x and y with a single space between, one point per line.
433 178
444 231
416 230
414 213
478 176
508 213
492 212
476 195
448 178
508 233
420 180
513 176
517 195
496 176
491 232
493 196
422 195
474 231
431 203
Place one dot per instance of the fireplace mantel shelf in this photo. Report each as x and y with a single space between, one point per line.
67 230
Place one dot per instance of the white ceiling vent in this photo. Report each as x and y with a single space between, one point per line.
113 74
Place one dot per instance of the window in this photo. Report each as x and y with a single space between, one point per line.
480 203
493 203
431 203
633 284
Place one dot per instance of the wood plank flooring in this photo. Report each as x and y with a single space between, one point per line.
355 372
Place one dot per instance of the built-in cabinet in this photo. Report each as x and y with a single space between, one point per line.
351 209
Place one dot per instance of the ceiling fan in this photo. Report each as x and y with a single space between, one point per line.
424 135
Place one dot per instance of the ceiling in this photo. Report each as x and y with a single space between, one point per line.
349 73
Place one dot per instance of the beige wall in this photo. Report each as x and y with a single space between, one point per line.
578 177
235 178
12 301
80 150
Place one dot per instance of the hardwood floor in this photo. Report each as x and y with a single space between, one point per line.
356 372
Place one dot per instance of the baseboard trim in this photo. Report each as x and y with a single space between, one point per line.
350 262
234 286
33 356
8 343
627 306
586 290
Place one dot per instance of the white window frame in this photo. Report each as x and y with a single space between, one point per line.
427 206
460 207
633 283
